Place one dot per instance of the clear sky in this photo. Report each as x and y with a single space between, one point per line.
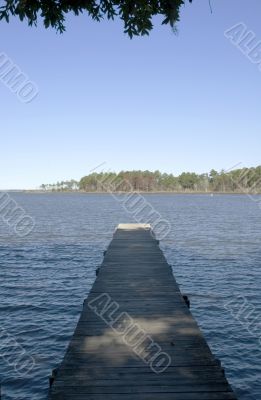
189 102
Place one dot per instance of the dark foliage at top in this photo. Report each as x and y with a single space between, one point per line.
136 14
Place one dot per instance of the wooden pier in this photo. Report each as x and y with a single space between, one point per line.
136 338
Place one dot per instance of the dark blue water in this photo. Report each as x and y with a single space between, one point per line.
214 248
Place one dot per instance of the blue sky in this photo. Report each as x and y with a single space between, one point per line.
189 102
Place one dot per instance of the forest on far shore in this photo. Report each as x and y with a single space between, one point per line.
236 181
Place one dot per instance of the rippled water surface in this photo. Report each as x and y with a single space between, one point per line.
214 248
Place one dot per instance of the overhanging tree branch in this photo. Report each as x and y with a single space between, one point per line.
136 14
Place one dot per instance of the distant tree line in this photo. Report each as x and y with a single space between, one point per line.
63 186
238 180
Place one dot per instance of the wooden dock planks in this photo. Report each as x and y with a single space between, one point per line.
136 338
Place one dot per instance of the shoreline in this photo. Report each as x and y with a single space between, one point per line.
136 192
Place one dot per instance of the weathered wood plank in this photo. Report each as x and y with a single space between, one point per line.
148 396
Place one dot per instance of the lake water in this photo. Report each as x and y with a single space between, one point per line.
214 247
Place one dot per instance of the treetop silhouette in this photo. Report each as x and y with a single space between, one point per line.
136 14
